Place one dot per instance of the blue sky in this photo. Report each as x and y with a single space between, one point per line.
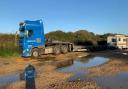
98 16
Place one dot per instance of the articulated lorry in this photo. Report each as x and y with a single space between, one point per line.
32 41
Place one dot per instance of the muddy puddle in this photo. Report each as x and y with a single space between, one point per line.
77 67
7 79
117 81
86 62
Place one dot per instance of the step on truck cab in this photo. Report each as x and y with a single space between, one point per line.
32 41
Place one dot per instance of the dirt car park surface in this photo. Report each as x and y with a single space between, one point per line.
9 65
118 63
49 78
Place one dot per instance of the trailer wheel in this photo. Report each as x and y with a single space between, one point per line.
56 50
35 53
64 49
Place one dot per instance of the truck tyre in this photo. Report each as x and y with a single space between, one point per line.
64 49
56 50
35 53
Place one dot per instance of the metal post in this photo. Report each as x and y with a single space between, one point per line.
30 77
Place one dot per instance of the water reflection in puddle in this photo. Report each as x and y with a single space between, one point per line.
78 64
7 79
117 81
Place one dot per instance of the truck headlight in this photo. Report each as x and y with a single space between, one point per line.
27 49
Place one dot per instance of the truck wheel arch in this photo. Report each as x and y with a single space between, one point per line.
35 52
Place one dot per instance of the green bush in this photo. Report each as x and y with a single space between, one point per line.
78 37
8 52
8 46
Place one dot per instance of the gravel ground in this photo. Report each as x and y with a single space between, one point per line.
74 85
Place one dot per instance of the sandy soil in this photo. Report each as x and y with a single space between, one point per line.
9 65
47 77
118 63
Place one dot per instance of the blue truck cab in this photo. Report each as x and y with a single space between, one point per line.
31 35
32 41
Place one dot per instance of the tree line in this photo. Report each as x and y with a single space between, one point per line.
8 46
80 37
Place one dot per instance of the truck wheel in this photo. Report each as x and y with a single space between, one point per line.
35 53
56 50
64 49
